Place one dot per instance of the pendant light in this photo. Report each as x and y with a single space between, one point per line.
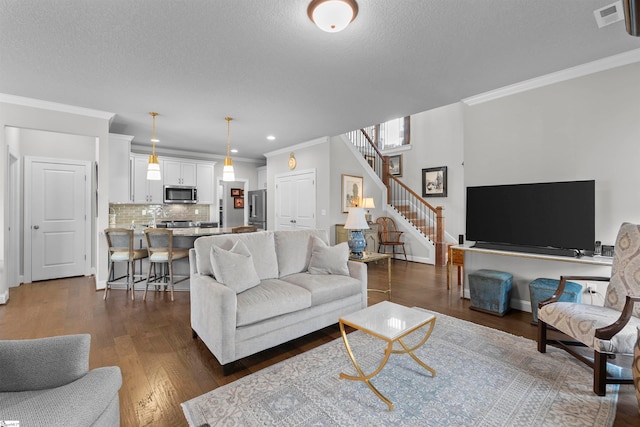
227 172
332 15
153 169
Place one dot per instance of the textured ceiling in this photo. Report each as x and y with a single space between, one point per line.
266 65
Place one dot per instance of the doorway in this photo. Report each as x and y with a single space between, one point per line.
57 220
231 197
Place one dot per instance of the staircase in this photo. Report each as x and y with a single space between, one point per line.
426 219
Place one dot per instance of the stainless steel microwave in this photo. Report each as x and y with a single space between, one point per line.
180 194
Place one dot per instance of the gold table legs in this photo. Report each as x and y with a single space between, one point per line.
388 352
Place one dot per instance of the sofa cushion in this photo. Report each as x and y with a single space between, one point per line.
269 299
260 244
327 259
234 268
326 288
293 248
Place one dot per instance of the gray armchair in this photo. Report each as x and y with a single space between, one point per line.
47 381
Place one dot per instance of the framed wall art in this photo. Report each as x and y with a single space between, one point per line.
236 192
238 202
395 165
434 182
371 160
352 191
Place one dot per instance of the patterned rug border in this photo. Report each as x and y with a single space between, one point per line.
242 407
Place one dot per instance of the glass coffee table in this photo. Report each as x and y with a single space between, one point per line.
389 322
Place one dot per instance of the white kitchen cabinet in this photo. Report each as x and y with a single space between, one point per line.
144 190
206 187
178 172
262 177
119 168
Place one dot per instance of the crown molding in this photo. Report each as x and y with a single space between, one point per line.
603 64
185 154
54 106
300 146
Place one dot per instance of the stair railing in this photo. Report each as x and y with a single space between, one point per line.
428 220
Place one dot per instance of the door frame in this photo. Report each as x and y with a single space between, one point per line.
12 259
28 161
279 177
219 196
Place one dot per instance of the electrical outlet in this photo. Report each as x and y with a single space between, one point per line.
144 211
196 211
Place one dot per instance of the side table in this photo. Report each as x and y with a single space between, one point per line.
374 257
456 258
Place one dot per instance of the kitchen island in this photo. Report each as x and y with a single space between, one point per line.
182 238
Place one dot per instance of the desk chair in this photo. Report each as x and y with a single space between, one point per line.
120 243
244 229
161 251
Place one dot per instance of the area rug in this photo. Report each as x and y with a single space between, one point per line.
484 377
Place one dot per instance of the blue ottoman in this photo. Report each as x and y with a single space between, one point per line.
542 289
490 291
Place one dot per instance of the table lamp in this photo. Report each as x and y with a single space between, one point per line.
368 203
356 222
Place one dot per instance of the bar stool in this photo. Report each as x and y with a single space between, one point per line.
120 243
161 251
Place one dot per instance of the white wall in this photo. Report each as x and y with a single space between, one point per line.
57 145
315 154
586 128
232 217
72 120
437 139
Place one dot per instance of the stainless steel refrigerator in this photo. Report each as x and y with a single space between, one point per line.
258 208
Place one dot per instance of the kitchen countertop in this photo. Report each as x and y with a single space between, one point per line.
189 232
197 231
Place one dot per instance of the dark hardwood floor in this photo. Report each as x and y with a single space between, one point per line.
163 366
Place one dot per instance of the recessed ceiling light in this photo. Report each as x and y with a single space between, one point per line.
271 138
234 150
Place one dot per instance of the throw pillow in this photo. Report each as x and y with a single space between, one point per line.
234 268
328 259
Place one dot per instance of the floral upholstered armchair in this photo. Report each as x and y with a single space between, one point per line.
607 330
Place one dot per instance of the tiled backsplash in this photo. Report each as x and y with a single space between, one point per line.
127 213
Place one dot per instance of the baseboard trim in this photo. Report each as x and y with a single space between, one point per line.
4 297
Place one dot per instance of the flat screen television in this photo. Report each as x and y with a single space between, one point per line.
551 217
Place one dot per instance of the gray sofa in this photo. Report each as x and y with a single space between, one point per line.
47 382
302 285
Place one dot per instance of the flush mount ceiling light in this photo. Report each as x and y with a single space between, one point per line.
153 168
227 171
332 15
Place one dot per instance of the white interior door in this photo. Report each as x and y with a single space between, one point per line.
57 224
296 200
285 214
305 200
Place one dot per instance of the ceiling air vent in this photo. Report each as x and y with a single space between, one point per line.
609 14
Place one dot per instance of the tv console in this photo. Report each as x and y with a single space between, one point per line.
528 266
